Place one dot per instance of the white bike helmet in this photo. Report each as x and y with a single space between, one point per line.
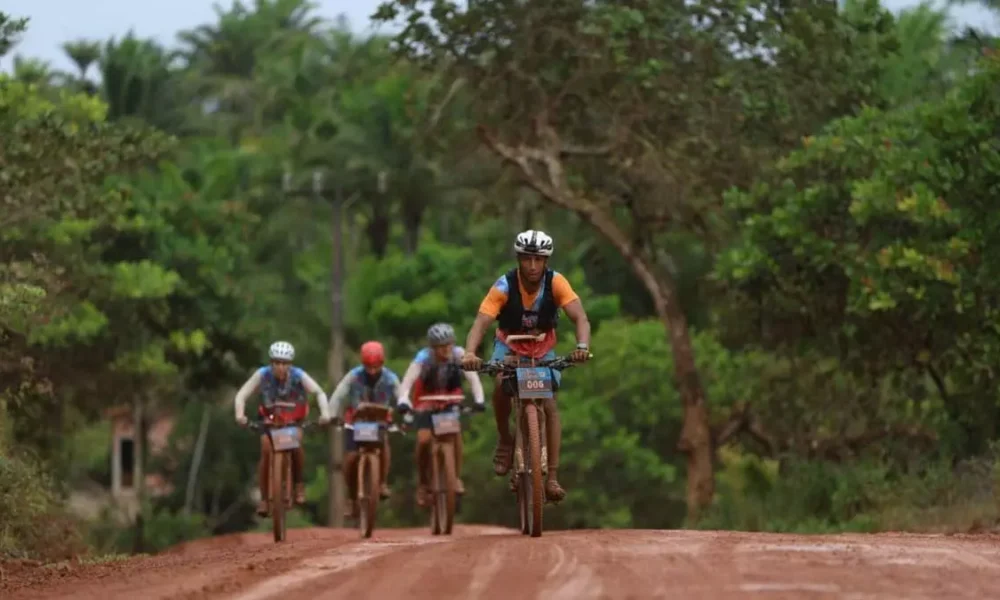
282 351
440 334
533 242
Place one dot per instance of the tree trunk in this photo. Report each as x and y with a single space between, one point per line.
696 434
199 451
413 218
378 229
139 468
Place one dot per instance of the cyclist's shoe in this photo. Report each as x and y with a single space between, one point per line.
503 457
384 491
352 510
263 509
300 493
553 491
459 486
423 496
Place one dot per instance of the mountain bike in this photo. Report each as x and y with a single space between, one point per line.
446 426
369 430
528 382
285 439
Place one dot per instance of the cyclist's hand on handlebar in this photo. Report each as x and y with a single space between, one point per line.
471 362
242 420
479 407
325 420
403 407
579 356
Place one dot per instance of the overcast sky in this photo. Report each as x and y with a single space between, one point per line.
56 21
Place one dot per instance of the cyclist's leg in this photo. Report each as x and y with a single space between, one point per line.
553 439
263 470
384 490
423 457
350 472
503 456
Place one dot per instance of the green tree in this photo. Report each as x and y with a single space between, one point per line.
637 116
873 243
10 32
137 82
84 54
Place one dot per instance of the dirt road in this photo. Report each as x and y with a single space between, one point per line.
484 562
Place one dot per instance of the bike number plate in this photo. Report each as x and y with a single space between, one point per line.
534 383
286 438
365 432
445 423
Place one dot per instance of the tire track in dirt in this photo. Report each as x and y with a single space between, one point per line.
348 556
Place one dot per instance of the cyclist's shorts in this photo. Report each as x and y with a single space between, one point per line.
500 350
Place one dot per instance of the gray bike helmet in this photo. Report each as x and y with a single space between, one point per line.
440 334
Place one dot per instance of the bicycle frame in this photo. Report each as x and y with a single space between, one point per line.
527 479
444 460
517 406
369 462
280 466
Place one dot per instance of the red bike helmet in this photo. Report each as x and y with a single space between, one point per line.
372 354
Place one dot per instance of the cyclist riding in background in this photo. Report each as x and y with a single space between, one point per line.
284 393
526 301
436 370
371 382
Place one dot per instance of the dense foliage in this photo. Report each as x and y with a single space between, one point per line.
779 220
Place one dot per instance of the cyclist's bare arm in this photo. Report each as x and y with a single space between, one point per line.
240 403
478 331
574 310
313 388
409 378
473 378
336 402
397 389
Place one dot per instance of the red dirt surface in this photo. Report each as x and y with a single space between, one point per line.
488 563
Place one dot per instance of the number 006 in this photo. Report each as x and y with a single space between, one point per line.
534 384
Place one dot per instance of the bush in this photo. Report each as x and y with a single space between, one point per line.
161 530
827 497
34 524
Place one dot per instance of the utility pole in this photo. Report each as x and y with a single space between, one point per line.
335 358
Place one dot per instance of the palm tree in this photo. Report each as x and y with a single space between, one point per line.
137 81
34 71
222 58
10 32
83 53
923 64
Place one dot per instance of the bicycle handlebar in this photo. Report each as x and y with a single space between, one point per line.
495 367
262 425
390 428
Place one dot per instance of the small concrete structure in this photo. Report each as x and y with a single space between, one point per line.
124 492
